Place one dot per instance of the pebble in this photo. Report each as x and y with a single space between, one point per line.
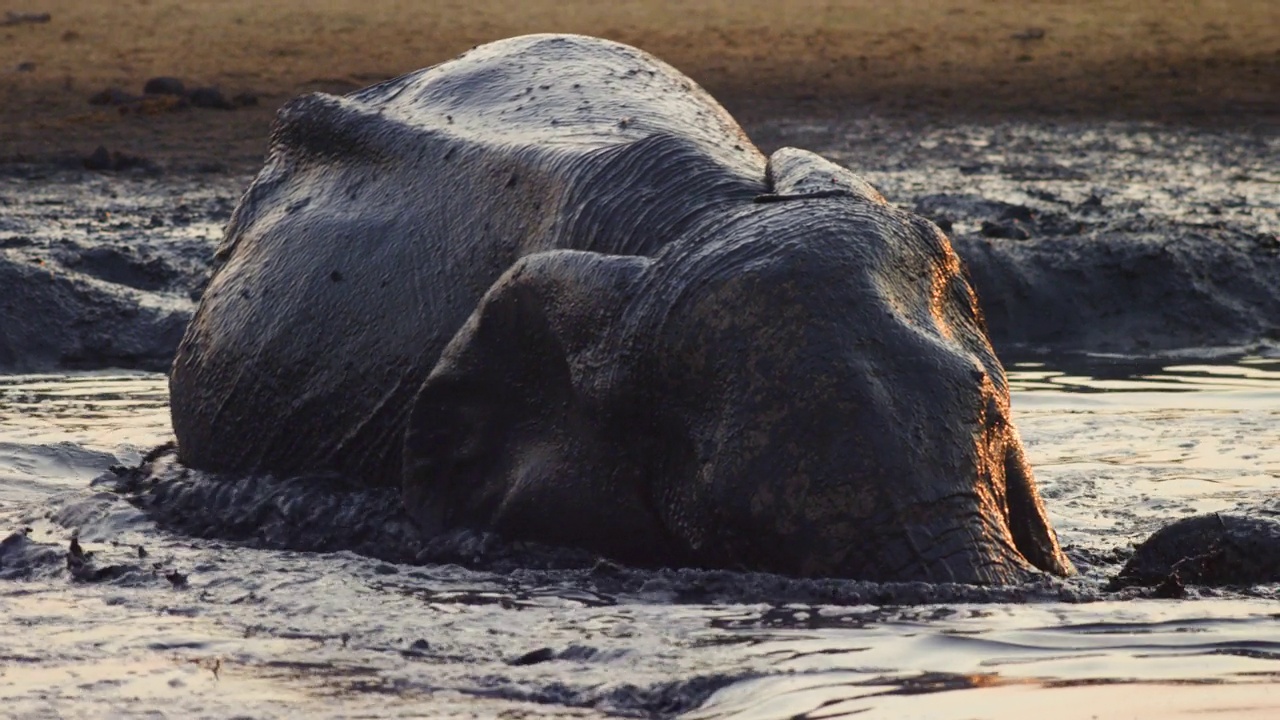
209 97
102 159
112 96
164 86
25 18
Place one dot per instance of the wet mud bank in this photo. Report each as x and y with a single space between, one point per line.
102 270
1112 237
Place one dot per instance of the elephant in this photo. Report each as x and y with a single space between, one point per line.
550 290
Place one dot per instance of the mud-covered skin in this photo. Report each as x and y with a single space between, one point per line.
677 350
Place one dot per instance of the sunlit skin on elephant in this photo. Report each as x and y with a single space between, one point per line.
551 290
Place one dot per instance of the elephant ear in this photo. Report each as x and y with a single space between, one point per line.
505 429
796 174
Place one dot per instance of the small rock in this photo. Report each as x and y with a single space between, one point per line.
99 159
1007 230
245 99
1032 33
209 97
534 657
1212 550
27 66
177 579
418 648
25 18
164 86
104 160
112 96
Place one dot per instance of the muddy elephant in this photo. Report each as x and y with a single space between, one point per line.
551 290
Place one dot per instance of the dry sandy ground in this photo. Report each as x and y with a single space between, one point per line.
1212 60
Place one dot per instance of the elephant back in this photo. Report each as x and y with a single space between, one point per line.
382 217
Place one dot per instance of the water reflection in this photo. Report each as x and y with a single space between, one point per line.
61 431
1101 374
834 674
98 410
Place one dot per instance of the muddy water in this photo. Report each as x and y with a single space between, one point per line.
199 628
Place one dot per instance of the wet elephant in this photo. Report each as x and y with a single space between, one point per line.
551 290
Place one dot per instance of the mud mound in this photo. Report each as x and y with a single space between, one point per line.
1130 287
55 319
101 272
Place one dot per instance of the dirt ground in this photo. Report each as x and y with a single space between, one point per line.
1208 61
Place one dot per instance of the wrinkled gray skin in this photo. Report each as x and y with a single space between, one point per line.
551 290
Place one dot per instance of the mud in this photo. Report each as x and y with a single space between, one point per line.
141 619
980 59
101 270
1217 549
1130 238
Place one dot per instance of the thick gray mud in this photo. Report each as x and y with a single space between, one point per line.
101 270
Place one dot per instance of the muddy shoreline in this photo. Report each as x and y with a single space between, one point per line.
1212 64
1087 237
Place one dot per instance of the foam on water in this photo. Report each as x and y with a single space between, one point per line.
194 628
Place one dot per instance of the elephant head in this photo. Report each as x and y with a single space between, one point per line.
801 385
